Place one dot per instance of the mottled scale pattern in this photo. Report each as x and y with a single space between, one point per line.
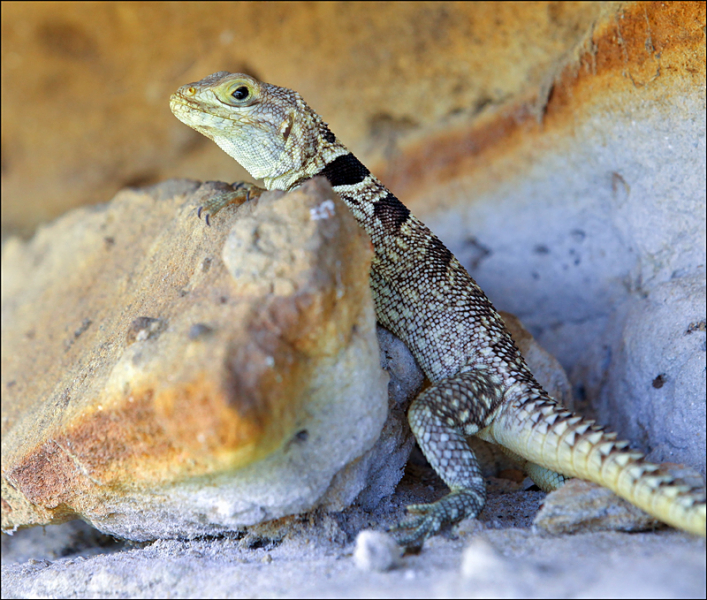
480 384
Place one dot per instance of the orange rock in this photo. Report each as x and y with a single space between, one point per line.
161 378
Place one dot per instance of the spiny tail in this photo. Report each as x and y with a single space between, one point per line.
547 434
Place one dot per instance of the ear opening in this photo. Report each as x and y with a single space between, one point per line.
286 127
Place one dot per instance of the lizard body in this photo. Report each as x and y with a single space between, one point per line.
480 384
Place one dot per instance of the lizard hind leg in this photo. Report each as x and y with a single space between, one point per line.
545 479
441 418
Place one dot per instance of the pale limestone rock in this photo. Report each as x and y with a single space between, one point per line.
162 378
483 569
376 551
386 460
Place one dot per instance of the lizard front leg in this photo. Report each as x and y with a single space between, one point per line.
441 418
242 192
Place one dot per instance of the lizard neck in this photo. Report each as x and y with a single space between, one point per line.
375 208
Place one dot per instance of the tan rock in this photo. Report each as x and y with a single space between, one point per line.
410 67
163 378
582 506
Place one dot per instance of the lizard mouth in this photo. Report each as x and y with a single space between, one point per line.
193 114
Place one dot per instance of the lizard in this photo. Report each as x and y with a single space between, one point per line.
479 383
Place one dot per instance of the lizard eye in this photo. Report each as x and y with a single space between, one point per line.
241 93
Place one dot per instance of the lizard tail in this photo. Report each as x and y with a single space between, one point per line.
545 433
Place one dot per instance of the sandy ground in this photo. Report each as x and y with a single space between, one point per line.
500 555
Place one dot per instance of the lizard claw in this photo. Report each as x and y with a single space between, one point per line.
206 216
415 529
425 520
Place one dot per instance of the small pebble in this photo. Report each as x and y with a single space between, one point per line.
481 560
376 551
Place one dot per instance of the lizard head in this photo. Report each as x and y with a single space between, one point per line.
268 129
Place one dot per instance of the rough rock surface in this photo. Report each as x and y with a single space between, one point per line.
504 561
162 378
584 506
370 73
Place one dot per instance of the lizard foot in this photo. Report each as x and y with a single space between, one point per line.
426 520
242 192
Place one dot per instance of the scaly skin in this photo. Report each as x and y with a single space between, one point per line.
480 383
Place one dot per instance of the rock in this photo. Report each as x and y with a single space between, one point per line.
376 551
480 560
489 574
387 459
582 506
166 379
655 380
